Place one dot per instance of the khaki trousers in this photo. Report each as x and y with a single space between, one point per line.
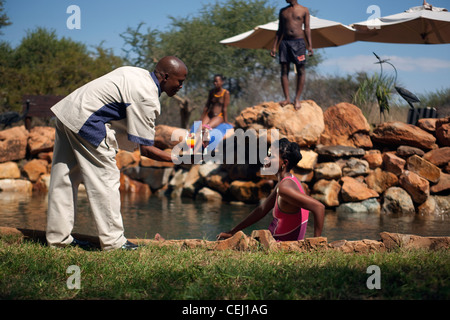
74 161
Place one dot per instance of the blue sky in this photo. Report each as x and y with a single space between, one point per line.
421 68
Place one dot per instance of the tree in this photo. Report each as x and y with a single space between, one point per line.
42 64
4 19
195 39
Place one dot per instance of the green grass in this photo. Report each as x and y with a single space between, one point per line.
33 271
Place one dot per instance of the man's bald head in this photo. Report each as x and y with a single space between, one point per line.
171 73
170 64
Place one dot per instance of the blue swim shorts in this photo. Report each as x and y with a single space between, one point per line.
293 51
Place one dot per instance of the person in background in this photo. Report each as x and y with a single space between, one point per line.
290 204
215 111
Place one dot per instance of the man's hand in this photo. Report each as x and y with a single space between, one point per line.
155 153
273 53
310 52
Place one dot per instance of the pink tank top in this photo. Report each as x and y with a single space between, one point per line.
289 226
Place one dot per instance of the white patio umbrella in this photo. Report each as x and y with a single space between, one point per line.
324 33
420 25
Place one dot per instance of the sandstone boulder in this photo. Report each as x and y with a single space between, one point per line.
407 151
397 133
416 186
393 163
264 238
379 180
16 185
327 170
443 132
41 139
125 159
129 185
373 158
192 181
13 144
355 167
423 168
397 201
443 185
327 192
406 241
34 169
156 178
335 152
47 156
354 191
301 175
246 191
439 157
9 170
309 160
345 125
371 206
239 241
218 182
427 124
176 183
429 210
302 126
207 169
359 246
443 203
208 194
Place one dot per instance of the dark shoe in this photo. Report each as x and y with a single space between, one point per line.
85 245
129 246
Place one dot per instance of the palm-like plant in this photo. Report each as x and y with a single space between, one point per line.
376 88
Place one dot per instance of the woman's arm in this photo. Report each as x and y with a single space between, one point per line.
226 102
256 215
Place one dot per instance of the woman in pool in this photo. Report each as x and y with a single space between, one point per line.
290 204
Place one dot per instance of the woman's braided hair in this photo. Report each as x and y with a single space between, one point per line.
289 151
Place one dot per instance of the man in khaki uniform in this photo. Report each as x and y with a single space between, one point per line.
117 109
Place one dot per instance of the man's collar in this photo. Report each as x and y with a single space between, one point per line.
156 82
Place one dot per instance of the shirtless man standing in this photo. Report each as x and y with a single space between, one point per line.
290 39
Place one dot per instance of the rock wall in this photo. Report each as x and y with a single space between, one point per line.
263 240
394 168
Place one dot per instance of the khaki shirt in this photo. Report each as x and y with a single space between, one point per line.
127 99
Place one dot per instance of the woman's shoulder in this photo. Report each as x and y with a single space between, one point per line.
289 182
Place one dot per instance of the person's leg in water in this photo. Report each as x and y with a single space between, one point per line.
214 121
208 125
300 85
